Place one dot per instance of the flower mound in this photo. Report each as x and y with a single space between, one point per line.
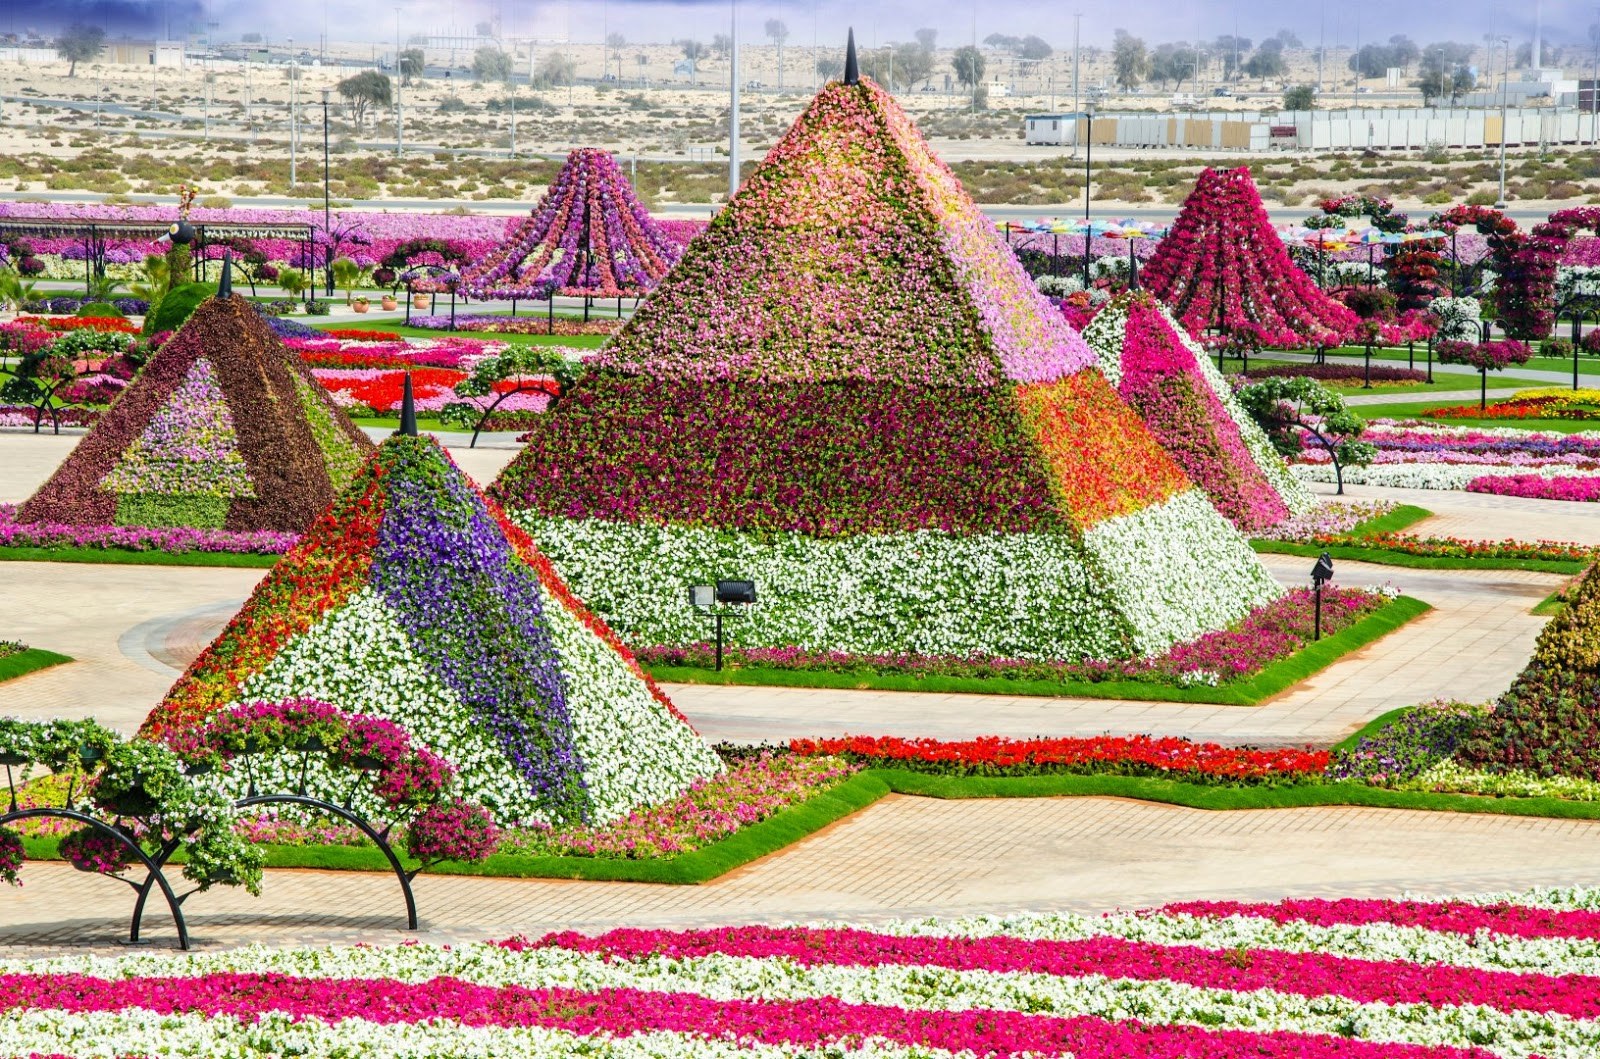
1505 975
413 600
590 236
1191 410
1223 266
850 381
224 429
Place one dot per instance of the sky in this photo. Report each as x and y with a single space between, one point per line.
875 21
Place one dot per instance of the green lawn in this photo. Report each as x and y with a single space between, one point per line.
1270 681
1413 410
400 328
124 556
30 661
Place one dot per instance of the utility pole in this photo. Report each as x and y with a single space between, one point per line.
1077 105
1322 43
733 103
399 93
294 116
1505 78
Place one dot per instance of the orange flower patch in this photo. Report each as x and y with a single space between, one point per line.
1103 462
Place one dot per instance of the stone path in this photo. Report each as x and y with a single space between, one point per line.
902 857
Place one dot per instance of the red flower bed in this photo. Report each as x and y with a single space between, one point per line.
1120 755
91 323
355 334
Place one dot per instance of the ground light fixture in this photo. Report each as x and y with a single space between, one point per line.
1321 574
722 600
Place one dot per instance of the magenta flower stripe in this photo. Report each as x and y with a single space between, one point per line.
1453 917
1364 981
625 1012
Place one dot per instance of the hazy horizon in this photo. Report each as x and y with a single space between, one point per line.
661 21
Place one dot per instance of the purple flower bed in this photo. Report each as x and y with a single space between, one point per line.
176 539
1239 652
1337 373
1409 745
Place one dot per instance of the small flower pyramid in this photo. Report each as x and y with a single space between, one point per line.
590 236
850 392
223 429
1191 410
413 599
1223 267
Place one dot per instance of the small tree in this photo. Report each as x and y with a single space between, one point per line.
366 89
779 33
293 281
1284 407
1129 61
491 64
615 42
1300 97
694 51
528 368
16 290
969 66
37 380
345 273
556 68
1486 357
79 42
412 63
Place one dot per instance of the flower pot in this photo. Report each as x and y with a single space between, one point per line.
389 303
367 762
419 301
309 745
11 757
360 305
197 768
88 755
134 802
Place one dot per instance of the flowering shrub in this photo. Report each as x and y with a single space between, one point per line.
1223 266
1137 755
242 441
454 831
589 236
1485 356
414 601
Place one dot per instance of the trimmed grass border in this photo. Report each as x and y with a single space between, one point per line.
1270 681
131 557
1388 557
30 661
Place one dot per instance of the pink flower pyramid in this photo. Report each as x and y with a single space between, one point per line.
1189 407
1222 267
589 237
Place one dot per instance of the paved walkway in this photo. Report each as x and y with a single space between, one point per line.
1484 516
902 857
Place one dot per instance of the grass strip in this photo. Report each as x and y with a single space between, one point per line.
1371 728
30 661
406 331
1390 557
1550 606
129 556
1403 517
1270 681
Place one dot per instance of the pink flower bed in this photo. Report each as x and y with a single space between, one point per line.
1538 487
138 538
1449 917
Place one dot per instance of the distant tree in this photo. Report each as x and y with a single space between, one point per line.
616 42
411 64
1003 42
927 39
721 45
1300 97
1405 50
1172 63
1287 38
968 63
1129 62
1445 73
1374 60
1233 51
828 69
1268 61
79 42
250 38
913 64
556 68
484 29
694 51
491 64
778 33
1034 49
366 89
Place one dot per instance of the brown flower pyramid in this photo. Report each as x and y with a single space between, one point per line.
850 392
223 429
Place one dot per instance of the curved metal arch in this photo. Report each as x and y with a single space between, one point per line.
152 865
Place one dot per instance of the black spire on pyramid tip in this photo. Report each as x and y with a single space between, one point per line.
408 411
852 69
225 288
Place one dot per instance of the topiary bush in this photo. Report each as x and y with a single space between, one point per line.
1549 722
101 310
176 306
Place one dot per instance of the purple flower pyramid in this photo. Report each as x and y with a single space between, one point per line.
589 237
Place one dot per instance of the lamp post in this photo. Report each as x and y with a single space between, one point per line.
1321 574
1088 153
713 601
1505 85
327 199
294 117
733 101
399 92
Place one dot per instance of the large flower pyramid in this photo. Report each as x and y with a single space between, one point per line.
849 391
413 599
1223 268
223 429
590 236
1190 408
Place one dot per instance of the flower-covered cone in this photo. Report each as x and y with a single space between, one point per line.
1223 268
1191 410
590 236
224 429
849 391
414 599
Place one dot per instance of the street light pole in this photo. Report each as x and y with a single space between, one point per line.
399 92
1505 78
294 117
733 103
327 199
1088 155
